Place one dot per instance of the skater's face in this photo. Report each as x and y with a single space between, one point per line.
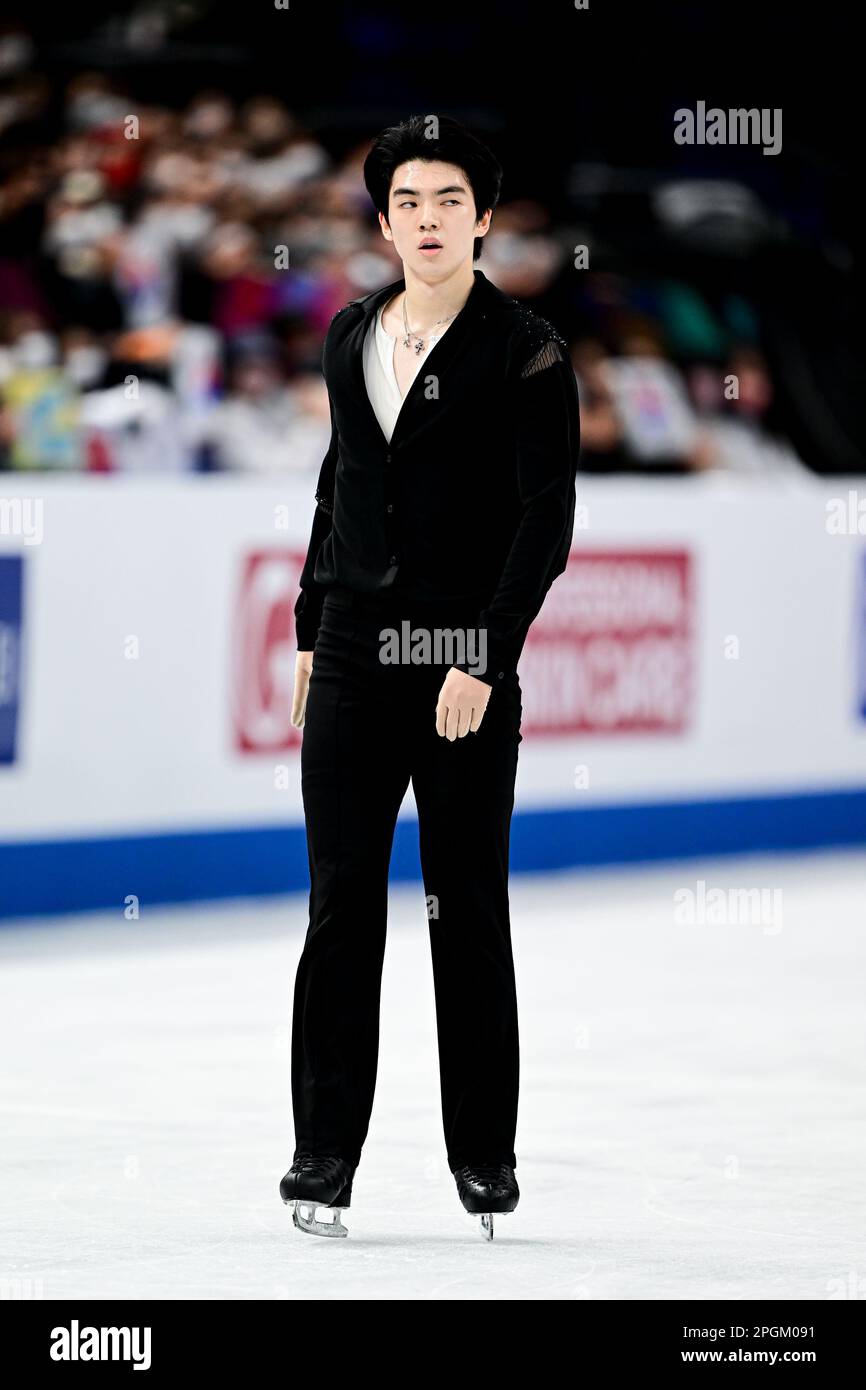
432 201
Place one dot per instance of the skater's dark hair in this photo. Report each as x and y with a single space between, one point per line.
429 138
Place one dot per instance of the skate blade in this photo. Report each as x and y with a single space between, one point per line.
487 1222
304 1217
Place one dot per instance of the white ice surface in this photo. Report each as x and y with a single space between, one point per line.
692 1119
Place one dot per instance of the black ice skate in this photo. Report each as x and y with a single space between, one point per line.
318 1180
486 1188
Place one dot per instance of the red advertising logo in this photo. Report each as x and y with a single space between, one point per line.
263 653
612 649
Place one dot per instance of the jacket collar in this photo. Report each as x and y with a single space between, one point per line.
372 302
413 419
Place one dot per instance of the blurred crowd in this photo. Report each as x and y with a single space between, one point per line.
167 277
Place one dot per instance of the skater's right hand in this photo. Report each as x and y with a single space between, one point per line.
303 671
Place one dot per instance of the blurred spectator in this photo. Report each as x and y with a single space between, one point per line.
151 409
39 417
264 426
733 404
635 415
602 445
659 427
140 245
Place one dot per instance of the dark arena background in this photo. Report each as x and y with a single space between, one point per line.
182 213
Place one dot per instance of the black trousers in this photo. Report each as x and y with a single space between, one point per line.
371 727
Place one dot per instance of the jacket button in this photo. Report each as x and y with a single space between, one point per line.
501 674
387 458
389 508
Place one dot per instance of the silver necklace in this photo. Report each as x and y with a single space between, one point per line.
419 342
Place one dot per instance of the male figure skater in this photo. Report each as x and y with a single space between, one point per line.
445 510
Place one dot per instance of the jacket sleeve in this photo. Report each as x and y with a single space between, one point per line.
547 422
308 609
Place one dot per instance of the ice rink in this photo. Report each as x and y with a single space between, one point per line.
692 1121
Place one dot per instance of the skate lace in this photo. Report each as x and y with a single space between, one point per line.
489 1172
315 1163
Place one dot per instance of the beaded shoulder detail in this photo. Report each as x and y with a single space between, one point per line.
325 503
541 345
344 308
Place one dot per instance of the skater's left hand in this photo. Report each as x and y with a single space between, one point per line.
462 702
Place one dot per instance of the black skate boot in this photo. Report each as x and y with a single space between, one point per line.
486 1188
318 1180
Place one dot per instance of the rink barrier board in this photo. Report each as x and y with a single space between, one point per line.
630 692
90 874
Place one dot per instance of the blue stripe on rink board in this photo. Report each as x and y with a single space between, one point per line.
79 875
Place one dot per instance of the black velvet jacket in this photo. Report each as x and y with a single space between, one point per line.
473 498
